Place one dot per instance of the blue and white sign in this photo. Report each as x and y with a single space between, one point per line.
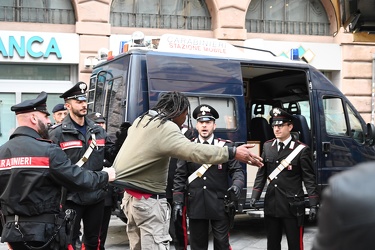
323 56
39 47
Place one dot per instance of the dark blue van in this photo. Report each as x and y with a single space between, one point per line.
243 88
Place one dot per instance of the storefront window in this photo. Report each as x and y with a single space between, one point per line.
7 117
287 17
35 72
52 100
163 14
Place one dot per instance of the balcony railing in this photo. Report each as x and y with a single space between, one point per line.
36 15
287 27
121 19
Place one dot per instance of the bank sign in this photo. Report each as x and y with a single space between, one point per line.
39 47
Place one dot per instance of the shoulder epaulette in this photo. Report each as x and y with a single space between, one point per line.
45 140
55 126
270 140
227 141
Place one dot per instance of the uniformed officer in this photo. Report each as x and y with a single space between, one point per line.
110 200
32 172
287 163
206 194
59 112
75 135
97 118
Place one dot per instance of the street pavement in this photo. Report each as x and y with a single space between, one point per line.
247 234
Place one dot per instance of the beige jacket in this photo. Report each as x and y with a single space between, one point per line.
143 160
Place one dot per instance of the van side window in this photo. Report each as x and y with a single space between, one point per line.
304 109
95 94
355 126
225 107
334 116
116 94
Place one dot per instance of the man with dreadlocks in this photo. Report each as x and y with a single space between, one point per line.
142 167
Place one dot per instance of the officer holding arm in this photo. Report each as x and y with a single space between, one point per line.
33 170
84 141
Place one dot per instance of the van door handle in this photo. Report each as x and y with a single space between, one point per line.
326 147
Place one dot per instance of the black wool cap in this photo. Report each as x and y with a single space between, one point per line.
205 112
58 107
77 92
37 104
280 116
96 117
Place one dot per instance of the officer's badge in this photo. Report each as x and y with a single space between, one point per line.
205 109
276 112
83 87
98 115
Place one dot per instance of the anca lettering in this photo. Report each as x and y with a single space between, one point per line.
32 46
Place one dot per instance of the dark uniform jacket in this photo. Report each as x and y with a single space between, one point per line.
205 196
75 144
347 213
287 186
32 171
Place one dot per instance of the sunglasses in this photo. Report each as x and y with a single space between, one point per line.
279 126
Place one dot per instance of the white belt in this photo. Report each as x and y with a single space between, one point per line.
88 152
285 163
202 169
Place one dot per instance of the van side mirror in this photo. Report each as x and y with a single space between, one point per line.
370 135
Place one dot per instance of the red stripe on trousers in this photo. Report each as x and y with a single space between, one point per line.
184 227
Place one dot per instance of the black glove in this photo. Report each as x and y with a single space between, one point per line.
312 213
252 202
190 134
106 163
235 191
177 210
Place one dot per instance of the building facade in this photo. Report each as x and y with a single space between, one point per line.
51 44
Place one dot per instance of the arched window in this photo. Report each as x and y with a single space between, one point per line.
301 17
37 11
161 14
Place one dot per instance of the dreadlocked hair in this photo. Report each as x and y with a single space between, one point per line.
170 105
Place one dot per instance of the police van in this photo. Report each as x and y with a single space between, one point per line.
243 86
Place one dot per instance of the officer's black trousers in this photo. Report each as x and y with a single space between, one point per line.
105 224
91 216
199 234
275 227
